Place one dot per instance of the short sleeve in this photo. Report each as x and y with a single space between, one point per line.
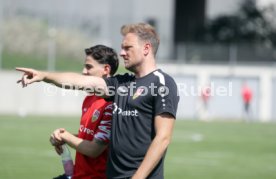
114 82
166 99
111 84
110 81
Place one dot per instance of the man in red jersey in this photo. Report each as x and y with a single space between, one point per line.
247 94
94 131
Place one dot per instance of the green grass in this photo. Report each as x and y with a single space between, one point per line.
25 149
199 150
11 60
222 150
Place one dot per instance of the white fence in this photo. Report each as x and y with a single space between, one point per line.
225 101
37 99
227 105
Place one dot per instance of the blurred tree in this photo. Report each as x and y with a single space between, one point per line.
249 24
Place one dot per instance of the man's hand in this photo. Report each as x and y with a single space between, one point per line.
30 76
55 138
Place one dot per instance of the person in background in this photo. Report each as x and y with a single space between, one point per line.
205 99
247 95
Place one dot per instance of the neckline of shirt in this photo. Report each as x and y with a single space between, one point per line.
143 77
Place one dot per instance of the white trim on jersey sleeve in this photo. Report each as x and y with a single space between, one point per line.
110 106
104 131
107 114
160 76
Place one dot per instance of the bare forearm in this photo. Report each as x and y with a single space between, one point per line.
164 128
78 144
68 80
153 156
65 80
88 148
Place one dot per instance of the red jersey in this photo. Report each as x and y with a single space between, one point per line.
95 123
205 94
246 94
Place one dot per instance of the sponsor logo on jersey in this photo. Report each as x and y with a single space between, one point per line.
86 130
138 93
95 115
124 113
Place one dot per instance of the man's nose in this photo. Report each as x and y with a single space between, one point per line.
84 71
123 52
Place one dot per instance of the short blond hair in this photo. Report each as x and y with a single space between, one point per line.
145 32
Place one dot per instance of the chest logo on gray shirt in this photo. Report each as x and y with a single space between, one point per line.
138 93
124 113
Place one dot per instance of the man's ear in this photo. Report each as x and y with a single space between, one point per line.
147 48
107 70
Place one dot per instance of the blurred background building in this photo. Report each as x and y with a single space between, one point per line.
223 43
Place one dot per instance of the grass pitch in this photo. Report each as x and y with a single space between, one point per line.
199 150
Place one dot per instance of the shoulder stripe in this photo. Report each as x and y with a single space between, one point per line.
160 76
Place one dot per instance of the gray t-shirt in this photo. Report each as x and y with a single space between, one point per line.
136 103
